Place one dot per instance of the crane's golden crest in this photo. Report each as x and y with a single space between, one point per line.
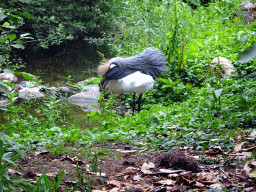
103 68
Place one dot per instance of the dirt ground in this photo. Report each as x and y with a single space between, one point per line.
137 170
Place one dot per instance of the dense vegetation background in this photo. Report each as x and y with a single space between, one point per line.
190 97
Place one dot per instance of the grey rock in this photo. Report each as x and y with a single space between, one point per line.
229 69
54 91
4 101
246 5
8 77
66 91
248 12
26 84
88 97
30 93
10 88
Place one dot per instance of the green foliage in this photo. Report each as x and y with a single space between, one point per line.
52 22
43 183
11 19
85 181
7 182
216 111
189 38
200 109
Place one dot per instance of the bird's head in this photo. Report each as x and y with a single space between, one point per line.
103 68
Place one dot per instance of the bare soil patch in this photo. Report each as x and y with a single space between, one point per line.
137 170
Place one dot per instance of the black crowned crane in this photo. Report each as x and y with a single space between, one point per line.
134 74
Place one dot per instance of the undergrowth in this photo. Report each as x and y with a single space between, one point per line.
187 107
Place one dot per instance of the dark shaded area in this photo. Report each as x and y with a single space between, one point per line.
177 159
196 3
61 29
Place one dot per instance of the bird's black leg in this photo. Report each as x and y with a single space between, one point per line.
139 101
133 104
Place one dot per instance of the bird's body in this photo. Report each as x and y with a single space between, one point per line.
134 83
134 74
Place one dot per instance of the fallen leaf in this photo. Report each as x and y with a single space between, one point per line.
252 172
52 174
239 137
166 182
253 133
168 171
247 168
41 152
126 151
184 173
119 174
239 146
198 184
249 149
248 189
217 185
137 178
13 172
130 170
146 166
114 190
197 157
98 174
246 154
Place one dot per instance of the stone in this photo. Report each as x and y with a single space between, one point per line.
26 84
8 77
10 88
88 97
247 9
246 5
66 91
54 91
4 101
95 89
228 67
30 93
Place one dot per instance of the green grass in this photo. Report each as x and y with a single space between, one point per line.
187 107
213 114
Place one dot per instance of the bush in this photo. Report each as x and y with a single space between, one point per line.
56 21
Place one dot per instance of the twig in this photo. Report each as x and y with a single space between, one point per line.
224 172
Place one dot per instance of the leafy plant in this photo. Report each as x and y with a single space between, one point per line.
43 183
86 182
11 19
52 23
9 183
